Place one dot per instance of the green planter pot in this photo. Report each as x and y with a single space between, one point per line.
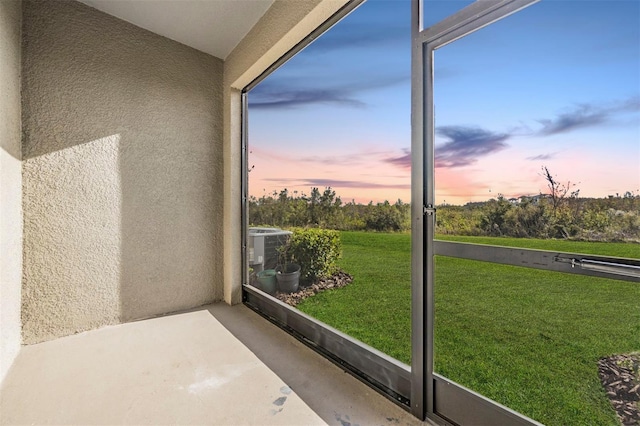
267 281
288 278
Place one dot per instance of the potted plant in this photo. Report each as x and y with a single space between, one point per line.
287 271
267 281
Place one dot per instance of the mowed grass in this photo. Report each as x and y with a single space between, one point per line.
375 308
526 338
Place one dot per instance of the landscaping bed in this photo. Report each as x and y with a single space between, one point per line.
621 379
338 280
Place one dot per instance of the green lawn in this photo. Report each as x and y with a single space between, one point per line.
527 338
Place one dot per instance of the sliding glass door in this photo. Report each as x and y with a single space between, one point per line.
490 261
531 123
327 194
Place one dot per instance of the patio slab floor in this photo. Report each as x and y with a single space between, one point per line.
213 365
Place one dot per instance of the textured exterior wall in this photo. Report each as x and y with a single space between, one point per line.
10 184
122 172
284 25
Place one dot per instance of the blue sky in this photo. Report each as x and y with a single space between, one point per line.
557 84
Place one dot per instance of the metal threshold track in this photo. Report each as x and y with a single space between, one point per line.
385 374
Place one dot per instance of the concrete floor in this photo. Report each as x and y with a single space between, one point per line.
215 365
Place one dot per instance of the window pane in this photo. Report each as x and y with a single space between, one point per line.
537 146
329 149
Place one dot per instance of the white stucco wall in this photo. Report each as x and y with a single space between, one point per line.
284 25
10 184
122 172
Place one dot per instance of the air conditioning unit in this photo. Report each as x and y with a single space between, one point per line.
263 247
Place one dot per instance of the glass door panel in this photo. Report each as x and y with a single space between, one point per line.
329 181
537 190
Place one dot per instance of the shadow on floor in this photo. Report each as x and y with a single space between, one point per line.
336 396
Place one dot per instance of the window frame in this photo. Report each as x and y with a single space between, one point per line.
417 388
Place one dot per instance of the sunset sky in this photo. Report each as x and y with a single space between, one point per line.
556 85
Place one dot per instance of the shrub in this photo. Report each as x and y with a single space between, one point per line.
494 216
595 220
385 217
525 221
315 250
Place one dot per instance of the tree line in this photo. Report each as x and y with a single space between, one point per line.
615 218
561 213
327 210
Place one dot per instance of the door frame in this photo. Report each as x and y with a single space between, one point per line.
434 396
437 397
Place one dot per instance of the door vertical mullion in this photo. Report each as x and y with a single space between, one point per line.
419 337
244 132
423 189
430 219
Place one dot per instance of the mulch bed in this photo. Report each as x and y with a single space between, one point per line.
621 379
338 280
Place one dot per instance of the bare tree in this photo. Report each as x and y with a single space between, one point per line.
558 191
